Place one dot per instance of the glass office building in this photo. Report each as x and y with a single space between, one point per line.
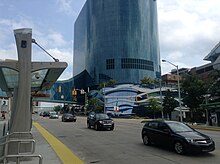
117 39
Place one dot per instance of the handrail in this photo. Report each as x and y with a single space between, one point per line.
19 142
22 156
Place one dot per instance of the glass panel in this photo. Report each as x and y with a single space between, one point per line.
37 78
11 77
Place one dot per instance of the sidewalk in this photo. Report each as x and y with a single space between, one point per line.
42 148
206 127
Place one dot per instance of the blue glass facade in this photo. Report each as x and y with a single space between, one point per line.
117 39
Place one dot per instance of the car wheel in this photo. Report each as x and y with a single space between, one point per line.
96 127
178 147
146 140
112 128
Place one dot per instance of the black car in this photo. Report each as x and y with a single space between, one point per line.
99 121
176 135
68 117
46 114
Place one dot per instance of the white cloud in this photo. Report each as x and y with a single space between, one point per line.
188 30
65 6
62 55
57 39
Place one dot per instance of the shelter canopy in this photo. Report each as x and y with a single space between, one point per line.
41 80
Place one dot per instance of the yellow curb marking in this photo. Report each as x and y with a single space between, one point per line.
64 153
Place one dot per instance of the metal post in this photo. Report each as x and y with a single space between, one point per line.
161 101
104 98
207 112
178 83
85 102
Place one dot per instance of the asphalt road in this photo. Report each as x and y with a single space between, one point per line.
121 146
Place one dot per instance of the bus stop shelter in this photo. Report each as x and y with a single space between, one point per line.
21 78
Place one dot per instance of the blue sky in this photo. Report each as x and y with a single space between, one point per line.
188 29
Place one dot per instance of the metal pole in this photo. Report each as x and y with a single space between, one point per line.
104 97
161 101
178 83
85 103
207 113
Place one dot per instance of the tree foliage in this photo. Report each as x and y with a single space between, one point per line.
107 83
214 87
57 108
194 91
147 80
169 103
95 105
154 105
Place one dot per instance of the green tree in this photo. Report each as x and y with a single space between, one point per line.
214 85
95 105
147 80
107 83
57 108
194 91
169 103
154 105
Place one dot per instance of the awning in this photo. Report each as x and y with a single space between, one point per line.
40 79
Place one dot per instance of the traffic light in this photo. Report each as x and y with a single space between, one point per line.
74 93
59 88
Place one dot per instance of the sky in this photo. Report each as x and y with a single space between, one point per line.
188 30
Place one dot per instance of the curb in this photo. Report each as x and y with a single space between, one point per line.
64 153
205 128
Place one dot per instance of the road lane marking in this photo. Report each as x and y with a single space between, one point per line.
64 153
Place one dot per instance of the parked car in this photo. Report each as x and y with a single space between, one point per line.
99 121
46 114
68 117
176 135
54 115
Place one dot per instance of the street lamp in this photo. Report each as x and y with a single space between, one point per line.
178 83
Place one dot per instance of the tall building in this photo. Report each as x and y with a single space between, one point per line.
117 39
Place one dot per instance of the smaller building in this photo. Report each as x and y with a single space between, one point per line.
170 79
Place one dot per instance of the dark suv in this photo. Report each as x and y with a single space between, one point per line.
99 121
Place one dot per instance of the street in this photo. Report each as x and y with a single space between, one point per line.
123 145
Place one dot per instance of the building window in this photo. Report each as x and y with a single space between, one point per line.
131 63
110 64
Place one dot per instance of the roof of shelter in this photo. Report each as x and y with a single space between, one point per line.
40 79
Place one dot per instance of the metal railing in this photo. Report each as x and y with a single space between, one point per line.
13 138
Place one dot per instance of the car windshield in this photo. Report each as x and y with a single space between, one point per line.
179 127
102 116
